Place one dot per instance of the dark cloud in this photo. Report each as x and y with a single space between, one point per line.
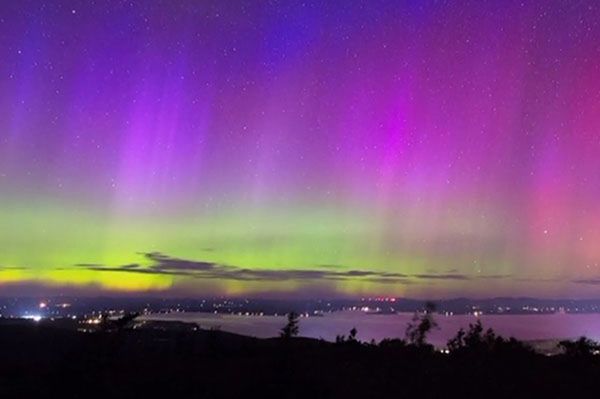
119 269
331 266
588 281
131 266
90 265
442 276
537 280
459 276
380 280
494 276
162 264
12 268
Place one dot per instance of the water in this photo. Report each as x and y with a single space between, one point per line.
377 327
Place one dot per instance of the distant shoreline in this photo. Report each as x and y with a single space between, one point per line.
543 327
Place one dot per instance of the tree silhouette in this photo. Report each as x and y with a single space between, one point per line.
421 325
474 338
352 336
292 328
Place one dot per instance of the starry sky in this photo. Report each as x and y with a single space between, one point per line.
300 148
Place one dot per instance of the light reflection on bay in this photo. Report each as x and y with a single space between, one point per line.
378 327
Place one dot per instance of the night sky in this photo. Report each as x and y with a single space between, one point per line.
298 148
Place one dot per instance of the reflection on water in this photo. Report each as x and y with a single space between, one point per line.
377 327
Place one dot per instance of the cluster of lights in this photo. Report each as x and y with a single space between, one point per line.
380 299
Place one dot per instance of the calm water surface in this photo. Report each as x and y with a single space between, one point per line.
377 327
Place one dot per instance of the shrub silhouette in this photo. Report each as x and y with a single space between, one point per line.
392 343
352 339
107 324
475 340
582 347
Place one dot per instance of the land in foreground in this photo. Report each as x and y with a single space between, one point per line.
180 360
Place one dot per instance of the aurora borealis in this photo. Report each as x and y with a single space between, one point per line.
300 147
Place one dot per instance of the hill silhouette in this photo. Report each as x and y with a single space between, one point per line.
53 360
